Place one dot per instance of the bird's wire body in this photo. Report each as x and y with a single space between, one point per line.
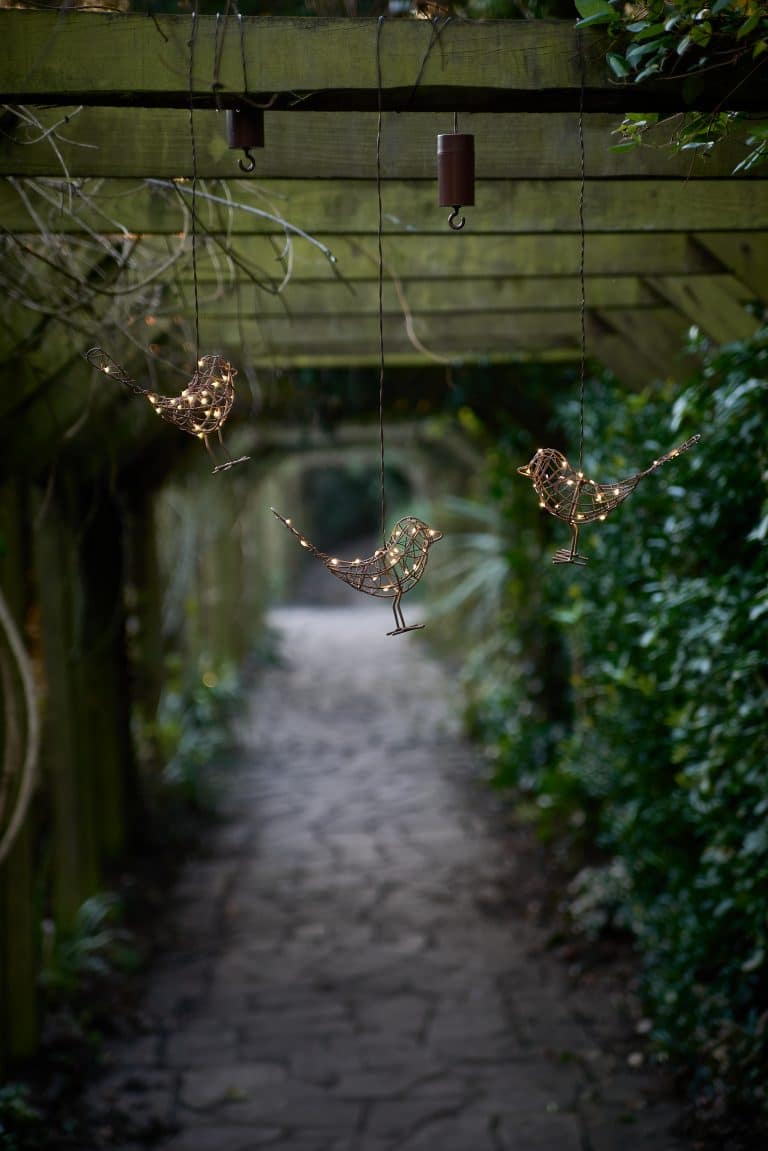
571 496
392 570
201 409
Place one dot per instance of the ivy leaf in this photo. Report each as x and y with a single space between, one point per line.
748 26
646 72
594 12
588 9
618 65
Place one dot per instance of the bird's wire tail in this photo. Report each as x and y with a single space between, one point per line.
305 543
104 363
678 451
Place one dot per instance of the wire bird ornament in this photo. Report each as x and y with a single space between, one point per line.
398 565
570 496
205 403
201 409
390 572
564 491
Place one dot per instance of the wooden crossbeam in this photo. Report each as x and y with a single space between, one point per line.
709 304
470 296
305 63
467 255
138 142
510 207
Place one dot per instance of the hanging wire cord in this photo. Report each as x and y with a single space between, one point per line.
193 208
380 252
582 257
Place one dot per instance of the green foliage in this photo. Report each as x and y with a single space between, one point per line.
665 764
94 946
22 1126
688 39
194 727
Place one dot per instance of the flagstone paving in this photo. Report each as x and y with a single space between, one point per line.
344 975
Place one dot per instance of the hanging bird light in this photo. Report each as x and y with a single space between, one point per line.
570 496
201 409
390 572
456 173
398 565
203 406
564 491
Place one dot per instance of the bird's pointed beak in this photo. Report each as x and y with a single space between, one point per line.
434 535
525 470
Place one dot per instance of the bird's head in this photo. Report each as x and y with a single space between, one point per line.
410 528
544 462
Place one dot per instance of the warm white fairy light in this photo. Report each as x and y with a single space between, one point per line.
391 571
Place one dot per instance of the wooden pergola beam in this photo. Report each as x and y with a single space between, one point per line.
469 296
135 143
467 255
503 207
304 64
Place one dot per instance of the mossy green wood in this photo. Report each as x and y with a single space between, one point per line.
745 254
709 304
19 928
495 64
416 297
339 207
139 143
69 770
466 255
105 705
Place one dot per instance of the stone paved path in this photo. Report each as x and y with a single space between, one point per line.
339 982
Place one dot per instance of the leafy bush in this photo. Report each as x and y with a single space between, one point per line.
665 763
94 946
194 726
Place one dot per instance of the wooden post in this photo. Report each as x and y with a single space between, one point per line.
67 764
19 928
105 703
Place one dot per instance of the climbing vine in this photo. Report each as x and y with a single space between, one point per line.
690 40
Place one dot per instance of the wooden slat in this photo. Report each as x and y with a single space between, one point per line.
115 58
138 143
709 304
746 256
417 296
468 255
470 295
454 337
330 206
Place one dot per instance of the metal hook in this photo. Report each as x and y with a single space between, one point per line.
248 167
454 224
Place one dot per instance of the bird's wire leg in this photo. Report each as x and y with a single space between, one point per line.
570 555
402 626
230 462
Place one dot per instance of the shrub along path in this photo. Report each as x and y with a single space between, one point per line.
347 975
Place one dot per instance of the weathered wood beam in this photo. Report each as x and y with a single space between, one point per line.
329 206
745 255
137 143
468 255
658 337
707 302
117 58
476 296
447 336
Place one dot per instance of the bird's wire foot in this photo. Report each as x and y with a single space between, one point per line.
229 464
407 627
566 556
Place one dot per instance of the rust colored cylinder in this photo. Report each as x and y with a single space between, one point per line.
456 169
245 128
